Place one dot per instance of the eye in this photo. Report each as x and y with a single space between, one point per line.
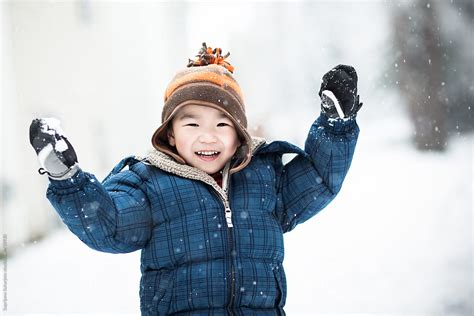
192 125
224 124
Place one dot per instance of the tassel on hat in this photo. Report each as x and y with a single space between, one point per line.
207 56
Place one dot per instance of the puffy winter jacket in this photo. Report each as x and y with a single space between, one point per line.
207 250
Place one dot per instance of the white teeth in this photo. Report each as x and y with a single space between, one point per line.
207 153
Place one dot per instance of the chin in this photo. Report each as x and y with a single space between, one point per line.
210 170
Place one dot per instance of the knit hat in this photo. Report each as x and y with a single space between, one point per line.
207 81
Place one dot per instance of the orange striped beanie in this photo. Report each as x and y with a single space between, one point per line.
207 81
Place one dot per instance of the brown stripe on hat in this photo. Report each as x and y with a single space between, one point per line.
204 91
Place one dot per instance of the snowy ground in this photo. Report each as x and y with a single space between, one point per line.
397 240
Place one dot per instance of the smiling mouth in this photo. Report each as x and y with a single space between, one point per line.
207 155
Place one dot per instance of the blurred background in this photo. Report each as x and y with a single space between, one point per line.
397 239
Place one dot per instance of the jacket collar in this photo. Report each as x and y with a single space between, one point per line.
168 164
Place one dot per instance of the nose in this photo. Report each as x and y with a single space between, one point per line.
207 137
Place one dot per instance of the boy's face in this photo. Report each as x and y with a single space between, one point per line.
204 137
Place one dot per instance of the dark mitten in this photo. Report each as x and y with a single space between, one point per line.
338 92
56 155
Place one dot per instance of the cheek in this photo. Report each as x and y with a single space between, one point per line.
233 141
183 142
185 139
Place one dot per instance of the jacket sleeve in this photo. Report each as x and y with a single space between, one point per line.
113 216
309 182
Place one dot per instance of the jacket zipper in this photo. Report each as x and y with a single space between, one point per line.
225 187
230 237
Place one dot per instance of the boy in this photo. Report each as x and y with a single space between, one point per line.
208 206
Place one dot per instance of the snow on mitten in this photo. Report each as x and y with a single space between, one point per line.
338 93
55 153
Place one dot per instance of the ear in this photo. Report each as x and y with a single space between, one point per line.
171 139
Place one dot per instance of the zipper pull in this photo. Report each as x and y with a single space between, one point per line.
228 216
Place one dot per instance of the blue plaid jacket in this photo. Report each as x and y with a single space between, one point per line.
191 261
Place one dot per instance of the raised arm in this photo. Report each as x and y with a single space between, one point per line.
113 216
309 182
